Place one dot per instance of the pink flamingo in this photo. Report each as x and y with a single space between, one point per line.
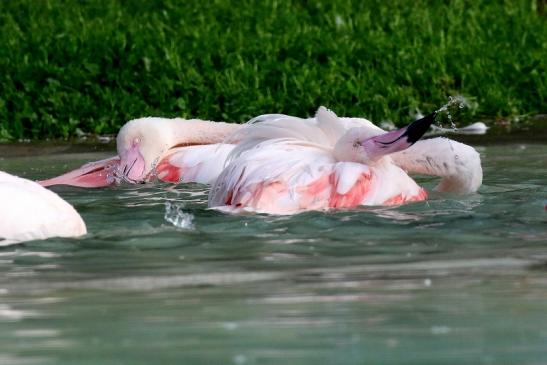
287 165
30 212
178 150
173 150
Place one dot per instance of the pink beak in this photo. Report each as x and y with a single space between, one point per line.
132 166
92 175
399 139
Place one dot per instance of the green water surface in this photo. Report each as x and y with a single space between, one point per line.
453 280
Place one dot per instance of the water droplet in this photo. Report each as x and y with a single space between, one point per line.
230 326
440 330
153 170
175 215
240 359
451 109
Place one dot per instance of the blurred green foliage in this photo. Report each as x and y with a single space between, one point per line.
93 65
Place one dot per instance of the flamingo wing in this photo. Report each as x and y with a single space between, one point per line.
266 178
286 178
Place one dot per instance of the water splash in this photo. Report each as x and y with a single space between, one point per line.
455 105
451 111
177 217
113 174
154 170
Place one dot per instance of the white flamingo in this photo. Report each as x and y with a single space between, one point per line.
29 212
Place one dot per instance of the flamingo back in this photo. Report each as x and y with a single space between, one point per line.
29 211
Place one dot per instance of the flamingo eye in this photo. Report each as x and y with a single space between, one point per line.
356 144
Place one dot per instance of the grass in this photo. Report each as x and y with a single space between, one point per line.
93 65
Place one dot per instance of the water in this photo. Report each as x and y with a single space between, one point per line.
453 106
451 280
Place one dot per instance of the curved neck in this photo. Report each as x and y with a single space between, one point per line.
458 165
195 131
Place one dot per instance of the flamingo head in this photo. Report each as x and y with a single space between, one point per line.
365 145
141 143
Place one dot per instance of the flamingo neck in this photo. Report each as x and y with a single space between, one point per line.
196 132
458 165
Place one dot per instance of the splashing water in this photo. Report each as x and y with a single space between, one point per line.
455 103
154 166
177 217
113 174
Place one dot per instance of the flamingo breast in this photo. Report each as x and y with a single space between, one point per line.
200 164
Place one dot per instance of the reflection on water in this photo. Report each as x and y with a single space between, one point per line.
160 279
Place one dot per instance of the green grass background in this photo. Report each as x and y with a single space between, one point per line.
93 65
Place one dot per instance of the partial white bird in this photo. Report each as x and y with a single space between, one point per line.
28 211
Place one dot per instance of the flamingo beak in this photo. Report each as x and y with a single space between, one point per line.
399 139
132 165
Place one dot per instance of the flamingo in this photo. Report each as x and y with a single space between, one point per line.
178 150
173 150
30 212
287 165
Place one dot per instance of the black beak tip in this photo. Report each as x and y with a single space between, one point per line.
417 129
